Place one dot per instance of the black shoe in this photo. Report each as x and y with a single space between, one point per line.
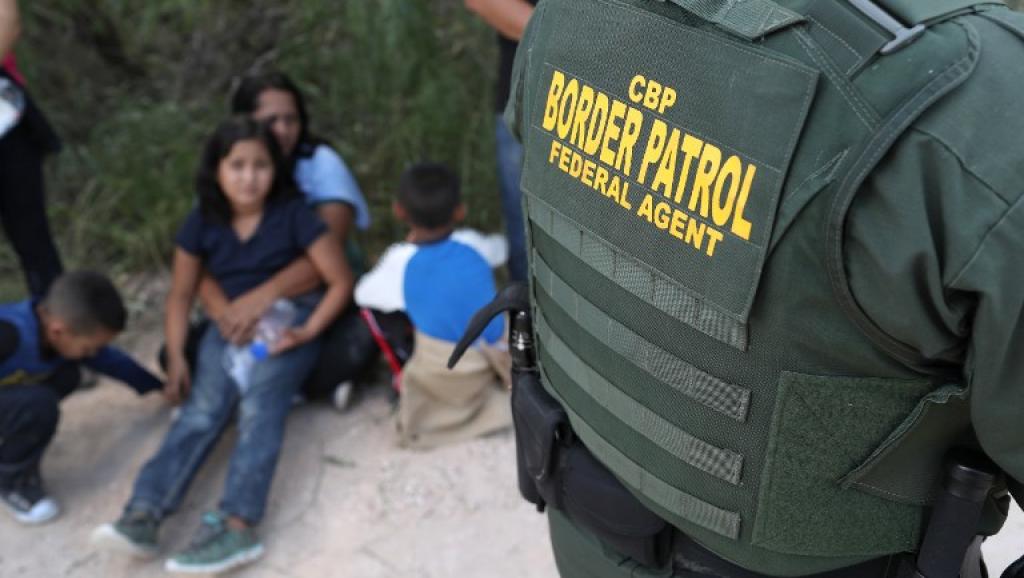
25 497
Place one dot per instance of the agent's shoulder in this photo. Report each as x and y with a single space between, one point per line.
981 122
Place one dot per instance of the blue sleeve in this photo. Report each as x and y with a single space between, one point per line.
189 236
9 340
326 178
306 227
119 365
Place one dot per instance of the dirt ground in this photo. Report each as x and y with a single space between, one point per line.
346 502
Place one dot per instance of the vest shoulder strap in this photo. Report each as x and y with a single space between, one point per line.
865 157
903 20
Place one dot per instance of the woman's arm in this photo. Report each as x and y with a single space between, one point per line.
508 17
329 260
184 279
10 26
339 218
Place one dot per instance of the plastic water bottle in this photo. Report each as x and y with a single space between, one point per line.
239 360
12 104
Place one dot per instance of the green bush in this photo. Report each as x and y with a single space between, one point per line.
134 87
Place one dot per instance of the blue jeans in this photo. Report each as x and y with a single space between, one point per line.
510 160
262 410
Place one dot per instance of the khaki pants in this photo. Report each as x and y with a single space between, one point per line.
439 406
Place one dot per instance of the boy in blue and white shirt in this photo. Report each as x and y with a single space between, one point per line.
440 277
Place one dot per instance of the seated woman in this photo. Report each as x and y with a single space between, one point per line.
249 225
328 186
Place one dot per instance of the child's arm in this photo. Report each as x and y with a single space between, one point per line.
237 319
493 248
119 365
381 287
330 263
184 280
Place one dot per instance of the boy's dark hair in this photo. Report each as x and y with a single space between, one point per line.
429 192
246 100
87 301
212 202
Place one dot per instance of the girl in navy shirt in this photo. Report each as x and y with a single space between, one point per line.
328 187
249 225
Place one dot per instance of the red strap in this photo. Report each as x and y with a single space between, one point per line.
11 67
385 347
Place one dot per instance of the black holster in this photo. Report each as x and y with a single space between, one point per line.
556 469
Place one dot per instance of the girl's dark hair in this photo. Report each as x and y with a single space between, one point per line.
213 204
247 98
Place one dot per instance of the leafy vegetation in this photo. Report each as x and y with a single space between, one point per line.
134 87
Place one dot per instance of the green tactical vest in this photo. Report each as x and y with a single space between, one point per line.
688 167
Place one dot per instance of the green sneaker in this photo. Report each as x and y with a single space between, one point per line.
134 533
216 548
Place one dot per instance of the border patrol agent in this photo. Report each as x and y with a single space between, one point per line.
776 276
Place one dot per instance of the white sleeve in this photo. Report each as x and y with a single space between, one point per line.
382 287
493 248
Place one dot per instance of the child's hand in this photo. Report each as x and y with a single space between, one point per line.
178 383
293 337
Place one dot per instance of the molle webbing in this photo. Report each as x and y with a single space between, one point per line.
681 504
721 463
636 277
730 400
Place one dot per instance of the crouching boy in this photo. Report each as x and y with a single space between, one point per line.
41 344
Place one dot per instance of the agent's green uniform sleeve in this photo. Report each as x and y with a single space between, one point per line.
995 355
943 273
935 239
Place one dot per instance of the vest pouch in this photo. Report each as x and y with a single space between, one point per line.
595 499
540 424
823 428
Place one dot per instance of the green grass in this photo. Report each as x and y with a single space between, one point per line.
134 87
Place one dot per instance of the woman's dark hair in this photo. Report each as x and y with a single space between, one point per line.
247 99
212 202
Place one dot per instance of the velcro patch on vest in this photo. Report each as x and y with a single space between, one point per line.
823 428
666 144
